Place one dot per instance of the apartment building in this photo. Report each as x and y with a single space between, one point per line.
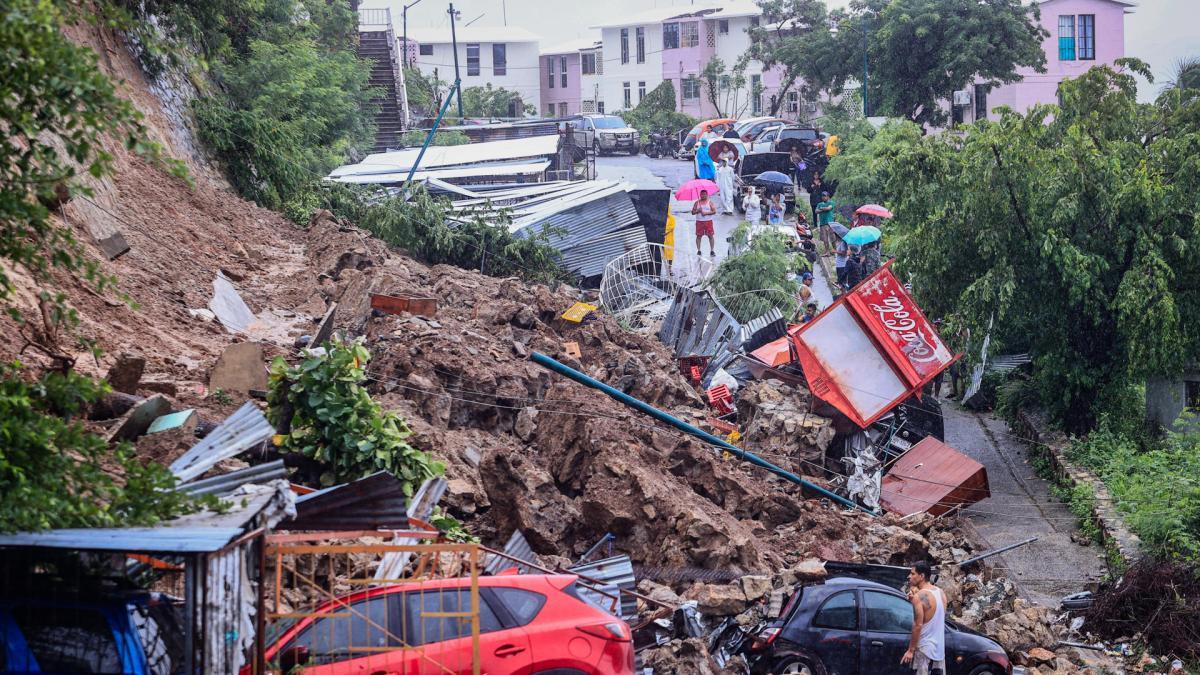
570 78
503 56
1083 34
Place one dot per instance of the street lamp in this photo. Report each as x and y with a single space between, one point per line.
865 29
455 15
404 16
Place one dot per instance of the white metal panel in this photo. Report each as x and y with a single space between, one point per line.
524 169
451 155
852 359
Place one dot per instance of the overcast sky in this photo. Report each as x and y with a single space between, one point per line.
1161 32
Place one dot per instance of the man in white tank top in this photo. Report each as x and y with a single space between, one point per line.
927 646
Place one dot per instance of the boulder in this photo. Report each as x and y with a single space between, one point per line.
776 420
718 599
1023 629
755 586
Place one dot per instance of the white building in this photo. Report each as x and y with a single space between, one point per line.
503 56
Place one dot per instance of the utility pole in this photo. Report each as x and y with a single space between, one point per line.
404 60
865 109
504 11
454 46
404 16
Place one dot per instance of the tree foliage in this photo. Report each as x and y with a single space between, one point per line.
1074 226
331 418
918 51
488 101
725 86
862 165
751 283
656 111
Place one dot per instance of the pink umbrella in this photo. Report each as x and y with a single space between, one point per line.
874 210
691 189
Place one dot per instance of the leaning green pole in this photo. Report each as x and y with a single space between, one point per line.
641 406
429 137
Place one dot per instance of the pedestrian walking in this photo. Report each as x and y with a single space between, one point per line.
704 163
725 183
704 210
927 644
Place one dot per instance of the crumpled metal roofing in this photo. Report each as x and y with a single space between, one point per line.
589 258
517 547
472 154
242 430
226 483
165 539
612 575
375 502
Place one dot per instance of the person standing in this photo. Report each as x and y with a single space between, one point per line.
871 258
704 163
825 211
854 267
927 644
669 241
775 209
841 255
704 210
814 194
725 183
753 207
806 292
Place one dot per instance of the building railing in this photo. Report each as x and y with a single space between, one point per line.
374 18
373 21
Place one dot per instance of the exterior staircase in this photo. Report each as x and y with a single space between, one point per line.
377 42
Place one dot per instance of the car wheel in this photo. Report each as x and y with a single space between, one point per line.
633 151
792 665
987 669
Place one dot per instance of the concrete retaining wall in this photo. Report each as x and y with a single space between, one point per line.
1052 445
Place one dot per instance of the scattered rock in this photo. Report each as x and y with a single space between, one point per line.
125 374
718 599
240 369
755 586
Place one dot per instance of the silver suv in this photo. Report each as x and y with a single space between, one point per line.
606 134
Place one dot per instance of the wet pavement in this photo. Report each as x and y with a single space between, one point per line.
1022 506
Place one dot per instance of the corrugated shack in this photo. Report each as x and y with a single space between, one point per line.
933 477
651 196
516 160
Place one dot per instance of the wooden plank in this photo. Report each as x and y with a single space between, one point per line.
392 304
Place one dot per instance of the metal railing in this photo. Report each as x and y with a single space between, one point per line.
371 21
638 287
374 17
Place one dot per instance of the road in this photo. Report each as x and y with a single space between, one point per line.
1021 506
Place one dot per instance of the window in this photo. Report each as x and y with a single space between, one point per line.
348 632
550 70
425 50
522 605
1191 390
641 91
562 66
587 64
981 106
670 36
600 107
624 45
754 22
690 35
625 88
887 613
68 640
1087 37
1066 37
756 94
793 102
723 26
840 611
499 58
690 87
472 59
641 44
425 629
562 110
549 110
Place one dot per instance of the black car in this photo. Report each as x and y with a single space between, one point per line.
848 626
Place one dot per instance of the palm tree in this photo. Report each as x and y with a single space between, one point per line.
1186 74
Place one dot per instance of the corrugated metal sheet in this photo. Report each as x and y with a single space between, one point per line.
451 155
421 508
375 502
517 547
505 169
240 431
226 483
589 258
577 217
933 477
612 574
484 133
165 539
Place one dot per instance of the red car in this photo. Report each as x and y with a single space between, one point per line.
527 624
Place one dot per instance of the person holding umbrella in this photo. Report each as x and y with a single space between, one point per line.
705 169
704 210
854 267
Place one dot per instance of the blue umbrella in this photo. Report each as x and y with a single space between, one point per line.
774 177
863 234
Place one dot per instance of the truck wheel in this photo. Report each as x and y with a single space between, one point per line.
633 151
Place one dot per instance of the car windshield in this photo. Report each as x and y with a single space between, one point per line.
608 122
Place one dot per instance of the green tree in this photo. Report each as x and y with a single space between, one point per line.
725 86
57 112
657 111
794 37
489 101
862 166
753 282
1074 226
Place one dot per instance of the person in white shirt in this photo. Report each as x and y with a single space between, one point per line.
927 645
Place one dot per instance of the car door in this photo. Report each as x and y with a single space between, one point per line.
765 141
887 627
444 640
364 637
833 633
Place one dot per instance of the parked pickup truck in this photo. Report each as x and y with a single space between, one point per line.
783 138
606 134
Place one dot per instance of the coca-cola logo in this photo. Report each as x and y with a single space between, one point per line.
896 317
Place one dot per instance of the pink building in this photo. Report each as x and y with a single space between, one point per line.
1083 33
569 78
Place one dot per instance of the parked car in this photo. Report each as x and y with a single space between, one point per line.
527 623
606 134
751 166
848 625
782 138
138 634
693 136
749 129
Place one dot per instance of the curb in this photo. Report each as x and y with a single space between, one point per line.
1052 445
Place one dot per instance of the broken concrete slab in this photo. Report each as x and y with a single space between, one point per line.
114 246
228 306
125 374
325 329
240 369
138 419
184 420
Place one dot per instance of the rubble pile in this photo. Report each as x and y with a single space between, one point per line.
777 423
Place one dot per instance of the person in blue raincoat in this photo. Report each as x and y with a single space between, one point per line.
704 163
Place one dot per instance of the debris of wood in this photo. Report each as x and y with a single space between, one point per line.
325 329
395 304
572 348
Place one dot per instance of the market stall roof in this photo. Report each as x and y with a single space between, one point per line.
933 477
